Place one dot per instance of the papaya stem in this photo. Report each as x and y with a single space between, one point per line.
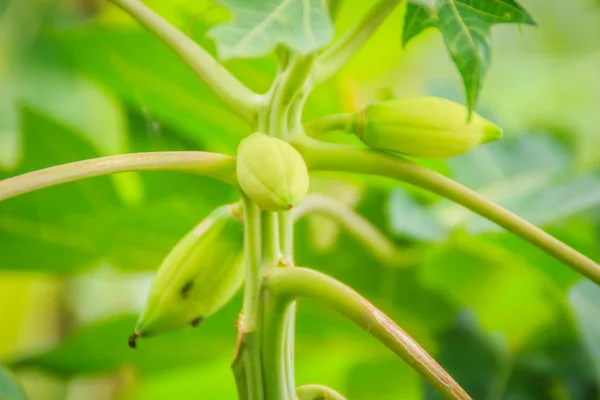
274 346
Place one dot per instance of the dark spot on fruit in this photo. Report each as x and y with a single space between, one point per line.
196 321
185 290
131 342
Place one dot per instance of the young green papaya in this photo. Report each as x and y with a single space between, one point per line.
200 275
271 172
426 127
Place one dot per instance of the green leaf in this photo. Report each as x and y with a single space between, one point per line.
471 272
74 225
3 6
211 379
58 222
466 28
530 176
9 388
552 361
134 64
554 364
260 25
102 347
477 361
384 379
408 218
584 298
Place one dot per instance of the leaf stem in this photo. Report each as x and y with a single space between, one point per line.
287 87
340 52
334 157
302 282
358 226
318 392
242 100
216 166
334 122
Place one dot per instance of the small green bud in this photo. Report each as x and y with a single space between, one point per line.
426 127
271 172
199 276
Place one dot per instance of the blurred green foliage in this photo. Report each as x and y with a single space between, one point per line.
79 79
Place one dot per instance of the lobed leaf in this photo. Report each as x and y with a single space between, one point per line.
466 28
260 25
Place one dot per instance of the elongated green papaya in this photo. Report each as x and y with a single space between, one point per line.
271 172
199 276
426 127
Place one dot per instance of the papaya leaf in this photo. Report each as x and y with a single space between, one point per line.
466 28
583 299
3 6
260 25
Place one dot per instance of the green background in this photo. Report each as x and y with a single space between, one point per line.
80 79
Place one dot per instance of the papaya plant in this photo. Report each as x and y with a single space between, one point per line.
251 242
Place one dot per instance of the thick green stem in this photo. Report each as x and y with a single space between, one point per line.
295 77
338 55
334 157
247 364
216 166
286 89
292 283
274 347
358 226
278 369
235 94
